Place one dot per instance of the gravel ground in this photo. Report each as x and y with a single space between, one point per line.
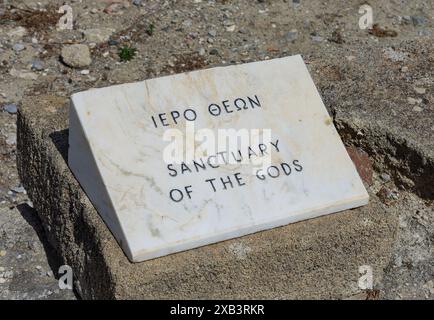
177 36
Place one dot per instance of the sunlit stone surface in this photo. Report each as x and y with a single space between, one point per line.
121 139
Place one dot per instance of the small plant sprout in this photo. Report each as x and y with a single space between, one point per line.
151 29
127 53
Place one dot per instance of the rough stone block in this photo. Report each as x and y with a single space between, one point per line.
317 258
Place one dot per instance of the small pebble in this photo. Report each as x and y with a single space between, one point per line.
406 19
85 72
292 35
395 56
187 23
317 38
385 177
231 28
11 140
243 31
8 274
19 189
37 65
413 101
424 33
419 21
10 108
97 35
214 52
18 32
76 55
420 90
23 74
18 47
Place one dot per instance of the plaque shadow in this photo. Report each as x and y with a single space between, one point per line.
54 259
31 217
60 140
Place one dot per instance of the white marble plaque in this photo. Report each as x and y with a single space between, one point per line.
187 160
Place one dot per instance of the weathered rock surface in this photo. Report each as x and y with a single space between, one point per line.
97 35
319 258
76 55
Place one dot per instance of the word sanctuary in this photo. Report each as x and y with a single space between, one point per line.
223 158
